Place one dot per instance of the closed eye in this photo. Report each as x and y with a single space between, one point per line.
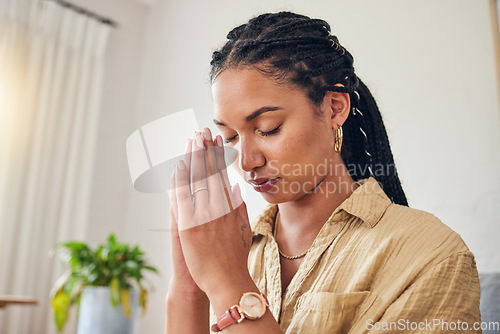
229 140
262 133
270 132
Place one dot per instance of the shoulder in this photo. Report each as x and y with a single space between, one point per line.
407 243
419 231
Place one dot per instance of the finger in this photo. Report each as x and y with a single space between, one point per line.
185 163
221 166
173 204
225 198
187 154
174 232
238 201
209 145
217 199
219 156
183 196
199 175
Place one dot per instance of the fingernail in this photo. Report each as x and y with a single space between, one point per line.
187 145
207 134
199 140
182 165
219 141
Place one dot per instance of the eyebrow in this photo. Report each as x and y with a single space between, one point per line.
253 115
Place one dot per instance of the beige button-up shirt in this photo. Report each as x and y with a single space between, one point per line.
375 267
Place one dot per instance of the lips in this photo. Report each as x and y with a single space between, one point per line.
259 181
263 184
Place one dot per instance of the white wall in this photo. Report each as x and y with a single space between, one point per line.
430 65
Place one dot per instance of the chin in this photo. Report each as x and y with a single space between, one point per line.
279 197
274 198
273 201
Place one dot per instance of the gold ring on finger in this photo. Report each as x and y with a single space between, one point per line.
199 189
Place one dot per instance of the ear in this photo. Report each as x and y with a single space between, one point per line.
336 106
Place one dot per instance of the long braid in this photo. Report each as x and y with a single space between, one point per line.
380 159
293 48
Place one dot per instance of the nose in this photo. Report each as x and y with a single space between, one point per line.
250 156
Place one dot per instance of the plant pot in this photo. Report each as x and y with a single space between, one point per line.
98 316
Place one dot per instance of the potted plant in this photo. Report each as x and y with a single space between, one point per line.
105 283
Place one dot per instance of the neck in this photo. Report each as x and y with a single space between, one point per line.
307 215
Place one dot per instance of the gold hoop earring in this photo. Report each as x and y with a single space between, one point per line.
339 135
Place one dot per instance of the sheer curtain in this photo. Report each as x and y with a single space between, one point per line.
51 70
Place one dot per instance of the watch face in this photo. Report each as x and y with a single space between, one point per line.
253 307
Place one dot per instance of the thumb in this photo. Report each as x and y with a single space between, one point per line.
173 207
239 203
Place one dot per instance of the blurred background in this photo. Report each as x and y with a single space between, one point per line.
431 65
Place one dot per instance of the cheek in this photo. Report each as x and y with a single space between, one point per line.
309 150
311 142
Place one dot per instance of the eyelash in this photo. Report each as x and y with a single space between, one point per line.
264 134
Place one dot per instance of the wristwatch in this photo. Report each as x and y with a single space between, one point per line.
252 306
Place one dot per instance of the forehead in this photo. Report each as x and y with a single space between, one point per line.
244 90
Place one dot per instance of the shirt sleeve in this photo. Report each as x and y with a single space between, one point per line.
444 299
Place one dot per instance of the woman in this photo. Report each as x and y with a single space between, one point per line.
337 250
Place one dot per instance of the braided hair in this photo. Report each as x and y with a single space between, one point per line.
293 48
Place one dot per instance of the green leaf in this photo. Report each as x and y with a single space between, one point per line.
137 252
60 305
104 254
78 299
143 299
112 240
125 299
60 283
150 268
72 245
114 290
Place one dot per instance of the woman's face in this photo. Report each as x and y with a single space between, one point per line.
284 149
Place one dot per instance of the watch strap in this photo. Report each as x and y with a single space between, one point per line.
231 317
234 315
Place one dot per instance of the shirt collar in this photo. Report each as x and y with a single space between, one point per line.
368 202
